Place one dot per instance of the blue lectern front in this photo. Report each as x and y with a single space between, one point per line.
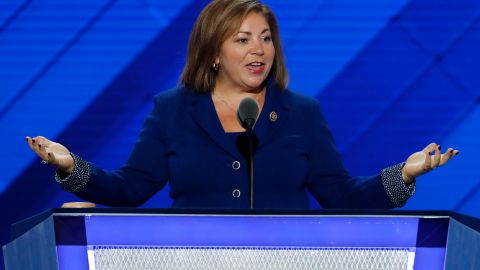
175 239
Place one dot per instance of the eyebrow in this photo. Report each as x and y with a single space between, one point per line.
250 33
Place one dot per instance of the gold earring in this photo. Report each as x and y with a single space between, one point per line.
215 66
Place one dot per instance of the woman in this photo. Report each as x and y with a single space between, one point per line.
190 138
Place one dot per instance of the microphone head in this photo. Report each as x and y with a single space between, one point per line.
247 113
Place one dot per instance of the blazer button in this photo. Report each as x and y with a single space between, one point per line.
236 165
236 193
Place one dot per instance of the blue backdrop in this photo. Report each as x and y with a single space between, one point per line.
391 76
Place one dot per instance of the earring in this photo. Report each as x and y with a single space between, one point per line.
215 66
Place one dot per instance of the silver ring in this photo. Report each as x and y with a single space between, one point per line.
44 161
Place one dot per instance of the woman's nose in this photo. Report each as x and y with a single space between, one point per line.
257 48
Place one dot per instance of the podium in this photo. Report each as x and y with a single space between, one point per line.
247 239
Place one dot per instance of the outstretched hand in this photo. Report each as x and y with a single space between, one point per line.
52 153
426 160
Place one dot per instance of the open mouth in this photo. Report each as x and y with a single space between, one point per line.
256 67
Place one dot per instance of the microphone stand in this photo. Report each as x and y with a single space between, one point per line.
250 155
250 137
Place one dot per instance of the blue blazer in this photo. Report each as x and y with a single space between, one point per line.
183 143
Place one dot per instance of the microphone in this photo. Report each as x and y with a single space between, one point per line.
247 114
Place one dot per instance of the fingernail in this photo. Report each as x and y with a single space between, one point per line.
26 139
33 140
440 147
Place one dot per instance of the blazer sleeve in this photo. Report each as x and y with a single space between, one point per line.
144 173
328 180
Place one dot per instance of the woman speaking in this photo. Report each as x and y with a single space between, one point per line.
193 138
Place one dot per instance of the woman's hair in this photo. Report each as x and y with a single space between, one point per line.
216 23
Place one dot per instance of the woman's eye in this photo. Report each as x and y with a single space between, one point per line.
267 38
242 40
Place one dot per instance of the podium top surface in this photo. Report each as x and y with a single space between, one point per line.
23 226
276 212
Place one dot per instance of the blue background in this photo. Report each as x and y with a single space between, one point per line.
391 77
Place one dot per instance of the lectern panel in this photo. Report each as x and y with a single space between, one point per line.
296 231
166 239
250 258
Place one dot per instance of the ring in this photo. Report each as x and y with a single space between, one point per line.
44 161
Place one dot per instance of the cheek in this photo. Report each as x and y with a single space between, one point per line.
270 53
235 54
232 60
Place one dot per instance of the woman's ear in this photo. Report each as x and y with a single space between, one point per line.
216 64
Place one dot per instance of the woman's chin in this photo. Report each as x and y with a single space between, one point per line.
254 84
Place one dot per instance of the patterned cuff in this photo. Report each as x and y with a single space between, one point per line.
78 178
395 187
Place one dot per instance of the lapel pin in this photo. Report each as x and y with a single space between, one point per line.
273 116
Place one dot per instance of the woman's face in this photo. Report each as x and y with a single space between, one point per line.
246 57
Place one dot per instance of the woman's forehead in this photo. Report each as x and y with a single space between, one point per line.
250 22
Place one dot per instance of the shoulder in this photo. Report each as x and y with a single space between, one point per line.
169 107
174 98
296 100
169 96
307 113
302 107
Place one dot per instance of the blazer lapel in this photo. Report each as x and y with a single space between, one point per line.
273 116
204 114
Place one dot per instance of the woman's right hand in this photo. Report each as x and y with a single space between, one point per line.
52 153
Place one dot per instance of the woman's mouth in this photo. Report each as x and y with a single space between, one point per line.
256 67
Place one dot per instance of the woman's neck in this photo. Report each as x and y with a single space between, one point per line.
226 103
236 94
233 98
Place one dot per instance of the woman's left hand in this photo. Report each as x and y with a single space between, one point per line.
426 160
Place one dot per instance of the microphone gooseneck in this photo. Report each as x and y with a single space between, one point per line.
247 114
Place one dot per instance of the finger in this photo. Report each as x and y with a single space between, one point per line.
43 141
52 159
38 143
36 147
35 144
429 148
436 157
446 157
42 152
29 141
428 161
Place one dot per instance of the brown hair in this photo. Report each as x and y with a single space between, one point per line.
217 21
